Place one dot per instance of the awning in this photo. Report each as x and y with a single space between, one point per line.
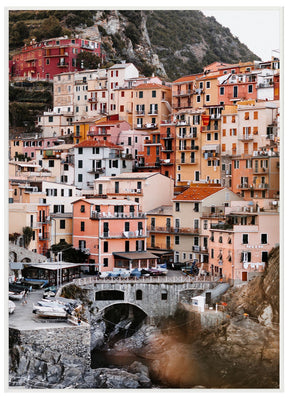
54 266
14 265
160 252
135 255
210 147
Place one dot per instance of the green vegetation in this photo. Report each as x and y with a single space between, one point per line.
69 253
27 236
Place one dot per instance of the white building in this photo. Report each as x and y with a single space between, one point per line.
96 158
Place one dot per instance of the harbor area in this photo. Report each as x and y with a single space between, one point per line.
23 317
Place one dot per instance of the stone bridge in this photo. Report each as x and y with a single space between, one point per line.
156 297
22 255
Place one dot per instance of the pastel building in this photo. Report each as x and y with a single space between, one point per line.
33 213
112 232
149 190
192 211
160 232
239 245
96 158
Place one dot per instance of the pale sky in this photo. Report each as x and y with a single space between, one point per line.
258 28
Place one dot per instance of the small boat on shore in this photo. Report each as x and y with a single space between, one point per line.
16 295
11 307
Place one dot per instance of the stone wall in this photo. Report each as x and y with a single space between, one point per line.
18 254
49 358
158 299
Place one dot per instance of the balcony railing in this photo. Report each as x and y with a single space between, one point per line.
123 234
44 236
95 215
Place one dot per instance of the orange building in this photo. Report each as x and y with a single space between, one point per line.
112 232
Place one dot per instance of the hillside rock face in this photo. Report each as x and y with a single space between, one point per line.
246 348
170 43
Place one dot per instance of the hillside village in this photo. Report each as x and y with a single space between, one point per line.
135 171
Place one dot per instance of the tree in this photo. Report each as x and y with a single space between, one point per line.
69 253
27 235
87 60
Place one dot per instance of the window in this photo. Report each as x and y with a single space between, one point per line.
105 262
80 178
127 226
245 239
140 94
164 294
80 164
105 247
207 98
82 226
51 163
250 88
177 240
264 239
153 93
177 206
222 90
264 256
207 84
246 116
80 151
139 294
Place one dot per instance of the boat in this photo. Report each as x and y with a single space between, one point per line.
59 308
16 295
11 307
37 282
49 312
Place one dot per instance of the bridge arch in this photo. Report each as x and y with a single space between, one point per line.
115 304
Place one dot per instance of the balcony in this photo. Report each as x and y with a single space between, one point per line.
222 226
164 230
123 235
182 93
260 170
96 215
245 137
182 123
200 249
185 231
93 100
62 65
44 236
99 170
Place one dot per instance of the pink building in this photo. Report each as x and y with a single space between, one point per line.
239 246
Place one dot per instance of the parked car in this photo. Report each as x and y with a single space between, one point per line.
135 273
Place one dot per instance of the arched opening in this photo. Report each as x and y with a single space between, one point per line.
107 295
139 294
119 321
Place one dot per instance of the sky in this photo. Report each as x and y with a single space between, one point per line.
258 28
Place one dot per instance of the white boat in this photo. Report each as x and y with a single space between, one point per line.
49 312
11 307
16 295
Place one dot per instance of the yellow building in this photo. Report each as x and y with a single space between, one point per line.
151 105
61 228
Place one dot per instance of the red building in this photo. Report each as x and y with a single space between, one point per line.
43 60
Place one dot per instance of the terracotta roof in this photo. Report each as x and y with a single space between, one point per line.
186 78
198 193
149 86
97 144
